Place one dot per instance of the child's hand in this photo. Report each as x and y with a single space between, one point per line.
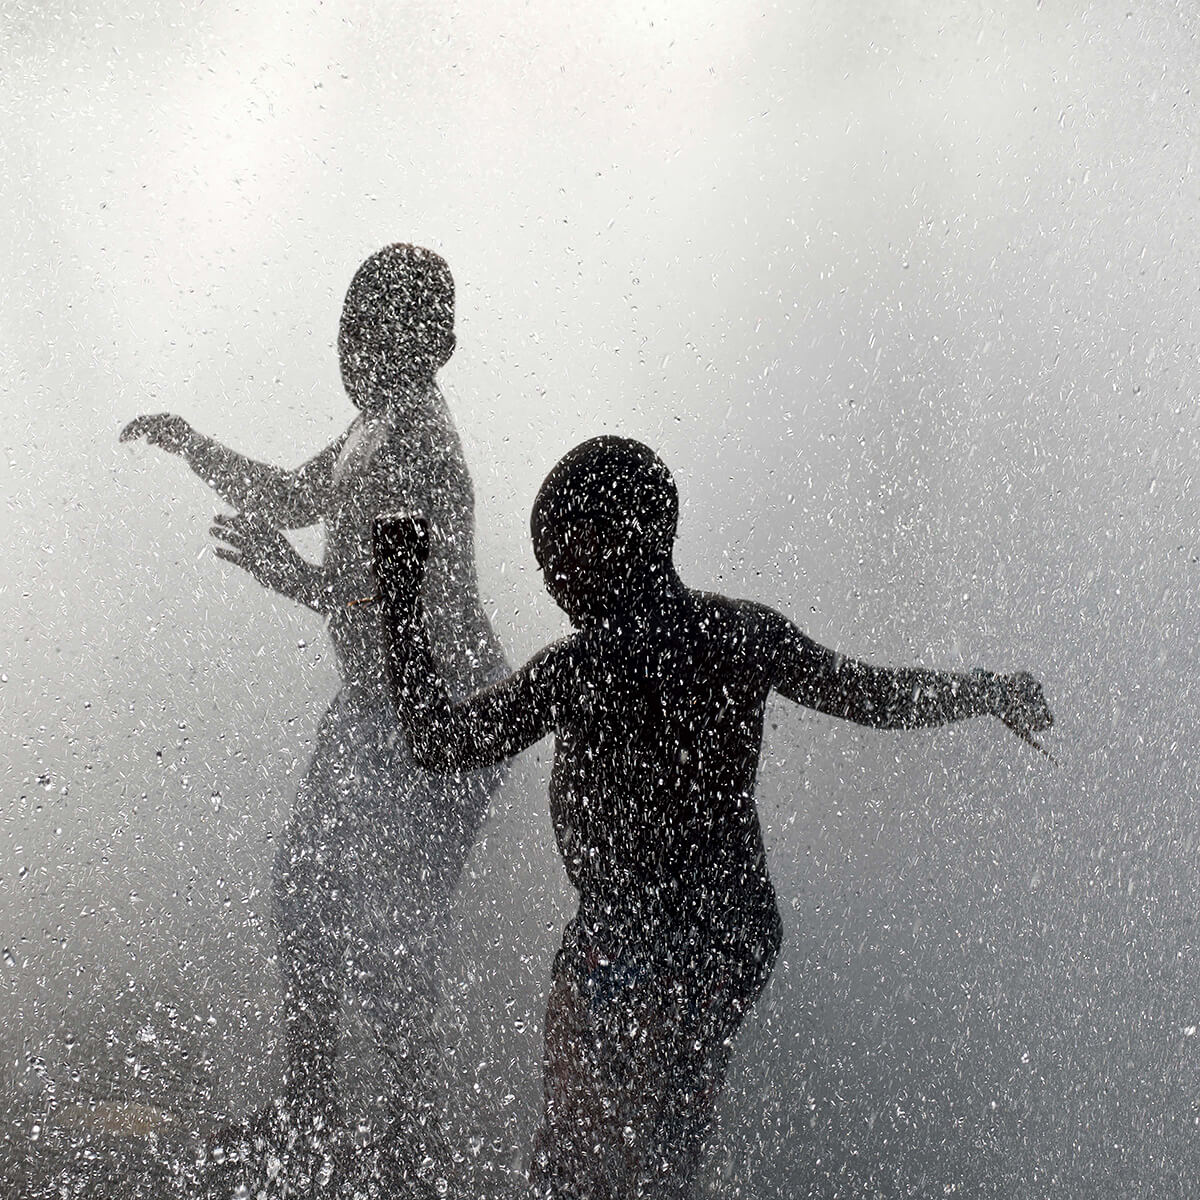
165 430
400 543
1022 706
258 548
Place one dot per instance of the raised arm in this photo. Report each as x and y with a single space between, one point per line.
897 698
287 499
486 728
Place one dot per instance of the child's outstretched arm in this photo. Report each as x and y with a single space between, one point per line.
261 550
900 698
486 728
287 499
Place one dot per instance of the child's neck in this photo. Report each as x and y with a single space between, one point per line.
402 394
659 589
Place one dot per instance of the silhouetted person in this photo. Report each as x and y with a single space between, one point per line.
656 704
375 844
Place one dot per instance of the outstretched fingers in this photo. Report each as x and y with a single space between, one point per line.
1029 706
238 538
1026 711
138 427
240 528
228 530
1023 733
159 429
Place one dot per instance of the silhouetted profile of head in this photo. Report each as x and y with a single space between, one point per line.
397 324
603 527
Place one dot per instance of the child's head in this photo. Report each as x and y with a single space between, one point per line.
397 321
603 524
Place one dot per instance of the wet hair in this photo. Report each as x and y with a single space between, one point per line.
402 297
617 484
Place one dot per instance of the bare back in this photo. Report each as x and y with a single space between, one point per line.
408 458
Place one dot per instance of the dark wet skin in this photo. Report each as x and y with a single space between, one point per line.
657 705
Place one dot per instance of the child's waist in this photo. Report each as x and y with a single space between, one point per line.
609 961
730 920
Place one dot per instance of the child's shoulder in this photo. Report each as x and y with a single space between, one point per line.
745 626
746 615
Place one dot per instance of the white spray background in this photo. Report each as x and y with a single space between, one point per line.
905 296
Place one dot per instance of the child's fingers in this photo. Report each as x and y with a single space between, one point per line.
239 529
400 537
156 428
1024 734
142 425
384 541
230 534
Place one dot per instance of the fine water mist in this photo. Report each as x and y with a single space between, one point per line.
903 295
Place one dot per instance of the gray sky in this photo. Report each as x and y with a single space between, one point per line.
903 293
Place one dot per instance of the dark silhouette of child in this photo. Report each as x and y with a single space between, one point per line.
656 704
367 866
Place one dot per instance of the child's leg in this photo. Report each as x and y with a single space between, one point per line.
636 1053
311 935
686 1030
311 1013
409 851
393 974
399 999
310 962
572 1145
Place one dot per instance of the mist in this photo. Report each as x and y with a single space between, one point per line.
904 295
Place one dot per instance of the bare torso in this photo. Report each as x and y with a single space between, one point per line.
409 459
658 730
